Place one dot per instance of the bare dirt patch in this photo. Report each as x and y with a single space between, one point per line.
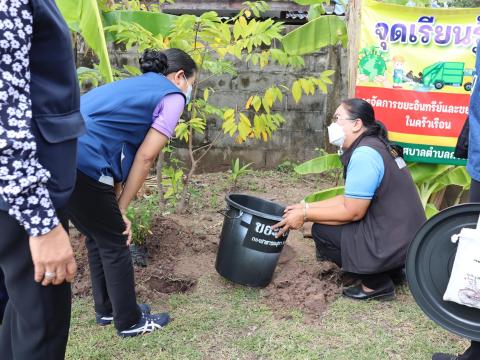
183 248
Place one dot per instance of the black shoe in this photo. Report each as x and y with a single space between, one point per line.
442 356
106 319
399 277
356 292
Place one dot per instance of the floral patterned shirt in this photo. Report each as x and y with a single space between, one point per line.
22 178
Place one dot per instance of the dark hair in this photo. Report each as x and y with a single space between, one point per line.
167 61
360 109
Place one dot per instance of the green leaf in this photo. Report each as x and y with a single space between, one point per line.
315 11
319 165
83 16
455 176
314 35
324 194
132 70
430 210
426 172
309 2
156 23
257 102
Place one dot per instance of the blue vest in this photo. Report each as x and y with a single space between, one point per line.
118 116
473 162
56 119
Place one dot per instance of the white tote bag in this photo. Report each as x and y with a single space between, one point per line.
464 284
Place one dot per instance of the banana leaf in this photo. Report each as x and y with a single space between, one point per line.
324 194
426 172
319 165
83 16
156 23
308 2
430 210
315 34
456 176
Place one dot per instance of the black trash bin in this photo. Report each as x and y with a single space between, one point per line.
248 251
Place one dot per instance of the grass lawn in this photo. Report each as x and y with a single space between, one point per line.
220 322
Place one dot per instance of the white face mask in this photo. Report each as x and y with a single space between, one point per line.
188 95
336 135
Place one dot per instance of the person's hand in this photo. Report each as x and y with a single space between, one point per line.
52 257
293 207
292 220
128 228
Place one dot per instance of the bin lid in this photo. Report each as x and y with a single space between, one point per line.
429 265
256 206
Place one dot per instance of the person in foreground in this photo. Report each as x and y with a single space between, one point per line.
128 123
367 230
473 168
40 122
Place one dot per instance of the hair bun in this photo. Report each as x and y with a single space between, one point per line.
153 61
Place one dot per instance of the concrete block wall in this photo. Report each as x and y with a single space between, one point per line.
305 126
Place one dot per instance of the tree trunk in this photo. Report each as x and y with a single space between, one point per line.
180 209
353 31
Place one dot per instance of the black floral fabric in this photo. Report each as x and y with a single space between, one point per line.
22 178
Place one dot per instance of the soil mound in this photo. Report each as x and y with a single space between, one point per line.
179 253
169 243
308 287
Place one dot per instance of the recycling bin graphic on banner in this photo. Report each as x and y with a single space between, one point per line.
416 66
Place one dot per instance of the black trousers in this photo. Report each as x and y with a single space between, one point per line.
93 209
37 318
328 243
3 295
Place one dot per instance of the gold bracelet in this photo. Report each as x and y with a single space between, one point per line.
305 207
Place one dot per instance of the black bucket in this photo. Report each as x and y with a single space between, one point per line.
248 251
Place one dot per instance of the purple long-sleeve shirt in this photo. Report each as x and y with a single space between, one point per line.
167 113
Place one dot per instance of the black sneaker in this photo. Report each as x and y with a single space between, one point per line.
104 320
148 323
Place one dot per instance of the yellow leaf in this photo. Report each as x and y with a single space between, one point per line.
264 136
249 102
322 87
266 105
269 97
248 13
205 94
296 91
244 126
243 22
237 31
244 119
229 114
305 85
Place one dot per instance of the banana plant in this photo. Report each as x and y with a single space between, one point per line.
87 18
433 178
320 165
84 17
430 179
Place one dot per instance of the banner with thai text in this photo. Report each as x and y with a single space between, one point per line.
416 67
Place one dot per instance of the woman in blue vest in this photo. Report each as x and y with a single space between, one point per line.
128 123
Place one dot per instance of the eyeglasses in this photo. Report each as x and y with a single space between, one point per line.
335 119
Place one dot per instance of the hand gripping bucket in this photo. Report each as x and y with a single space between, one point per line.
248 251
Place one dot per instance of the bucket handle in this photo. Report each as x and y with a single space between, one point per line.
224 213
